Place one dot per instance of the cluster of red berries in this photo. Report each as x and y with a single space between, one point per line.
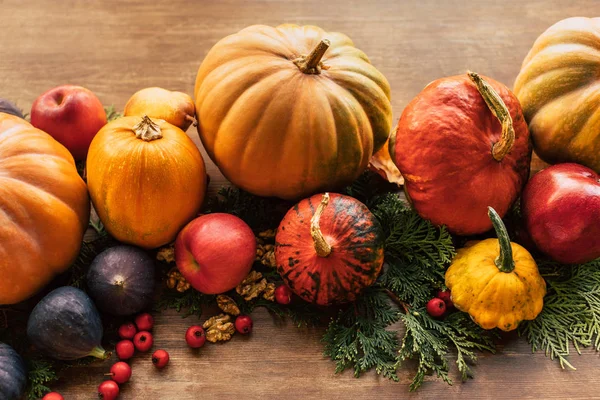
442 302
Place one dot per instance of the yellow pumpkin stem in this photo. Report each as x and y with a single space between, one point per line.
322 248
500 111
312 64
193 120
504 261
147 129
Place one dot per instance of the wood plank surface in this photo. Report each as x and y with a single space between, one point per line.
115 48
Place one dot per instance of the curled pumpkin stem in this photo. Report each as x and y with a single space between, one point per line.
500 111
322 248
504 261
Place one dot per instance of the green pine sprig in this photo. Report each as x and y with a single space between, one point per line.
41 374
571 313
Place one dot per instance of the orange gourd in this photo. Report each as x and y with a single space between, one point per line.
292 110
44 209
146 179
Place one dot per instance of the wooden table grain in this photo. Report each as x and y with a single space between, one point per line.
117 47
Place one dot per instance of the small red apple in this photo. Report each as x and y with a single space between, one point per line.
561 208
215 252
70 114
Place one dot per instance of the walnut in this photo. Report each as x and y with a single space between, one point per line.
219 328
252 286
269 293
176 281
166 254
268 234
268 259
227 304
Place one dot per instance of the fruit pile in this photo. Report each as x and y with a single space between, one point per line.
299 123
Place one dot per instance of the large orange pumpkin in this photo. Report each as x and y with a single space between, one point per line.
146 179
44 209
559 90
292 110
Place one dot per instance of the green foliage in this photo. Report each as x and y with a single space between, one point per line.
111 113
259 212
191 302
416 251
571 313
358 337
429 341
41 374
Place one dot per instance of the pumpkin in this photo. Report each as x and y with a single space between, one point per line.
496 281
146 179
176 108
13 374
292 110
462 144
66 325
328 248
559 89
44 209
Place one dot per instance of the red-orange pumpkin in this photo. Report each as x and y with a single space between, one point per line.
462 145
328 248
44 209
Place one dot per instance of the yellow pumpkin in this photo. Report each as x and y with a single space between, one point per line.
146 179
292 110
44 209
497 282
559 90
176 108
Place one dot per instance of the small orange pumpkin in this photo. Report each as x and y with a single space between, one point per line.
44 209
146 179
291 111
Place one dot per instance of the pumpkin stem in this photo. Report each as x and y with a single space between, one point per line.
504 261
500 111
147 129
312 64
322 248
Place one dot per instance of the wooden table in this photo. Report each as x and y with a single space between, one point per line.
117 47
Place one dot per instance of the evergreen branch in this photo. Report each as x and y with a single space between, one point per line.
191 302
571 313
40 374
358 337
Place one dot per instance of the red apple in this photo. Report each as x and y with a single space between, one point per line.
70 114
215 252
561 208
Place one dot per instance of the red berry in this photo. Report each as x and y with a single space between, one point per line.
125 349
436 307
243 324
127 331
53 396
144 322
445 295
283 294
120 372
160 359
143 341
195 336
108 390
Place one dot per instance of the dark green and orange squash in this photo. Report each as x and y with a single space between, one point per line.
328 248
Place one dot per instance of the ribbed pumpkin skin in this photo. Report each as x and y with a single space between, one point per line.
356 259
443 148
559 89
44 209
13 373
275 131
145 192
